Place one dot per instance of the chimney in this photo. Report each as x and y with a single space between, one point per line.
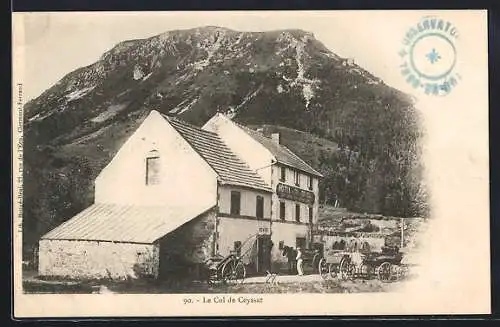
275 137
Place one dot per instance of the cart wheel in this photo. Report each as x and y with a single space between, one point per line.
346 269
323 268
385 272
233 272
333 270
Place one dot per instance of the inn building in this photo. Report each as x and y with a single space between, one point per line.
176 194
294 183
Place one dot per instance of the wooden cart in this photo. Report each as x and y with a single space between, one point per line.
385 265
329 264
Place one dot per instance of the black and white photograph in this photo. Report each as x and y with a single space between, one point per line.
228 160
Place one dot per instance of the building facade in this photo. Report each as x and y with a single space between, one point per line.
175 195
295 184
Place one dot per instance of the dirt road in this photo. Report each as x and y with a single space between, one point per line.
283 284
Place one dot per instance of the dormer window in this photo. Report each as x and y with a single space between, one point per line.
153 168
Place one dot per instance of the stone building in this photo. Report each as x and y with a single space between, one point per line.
175 195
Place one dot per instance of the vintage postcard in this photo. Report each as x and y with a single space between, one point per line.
250 163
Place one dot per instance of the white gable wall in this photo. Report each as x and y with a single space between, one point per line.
243 145
184 176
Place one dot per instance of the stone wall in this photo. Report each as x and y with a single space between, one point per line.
97 260
185 249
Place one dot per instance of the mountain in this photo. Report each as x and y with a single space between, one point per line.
360 133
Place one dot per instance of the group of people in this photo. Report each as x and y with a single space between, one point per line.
295 260
352 246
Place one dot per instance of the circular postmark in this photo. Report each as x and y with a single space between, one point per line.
429 56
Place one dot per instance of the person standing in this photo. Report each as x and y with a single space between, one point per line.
300 262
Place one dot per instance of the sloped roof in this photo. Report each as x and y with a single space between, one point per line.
282 154
231 169
125 223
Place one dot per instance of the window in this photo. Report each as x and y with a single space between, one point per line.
297 212
310 215
235 202
282 210
283 174
310 182
237 247
259 210
297 178
153 170
281 245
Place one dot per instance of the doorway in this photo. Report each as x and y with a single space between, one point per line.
300 242
264 246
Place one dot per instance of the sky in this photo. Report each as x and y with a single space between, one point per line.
58 43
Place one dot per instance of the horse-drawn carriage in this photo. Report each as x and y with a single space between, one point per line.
343 264
228 270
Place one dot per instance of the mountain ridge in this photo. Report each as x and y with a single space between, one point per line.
360 133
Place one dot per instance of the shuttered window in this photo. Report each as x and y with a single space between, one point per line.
235 202
282 210
259 210
283 174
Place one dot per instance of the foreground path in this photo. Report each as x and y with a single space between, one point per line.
284 279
